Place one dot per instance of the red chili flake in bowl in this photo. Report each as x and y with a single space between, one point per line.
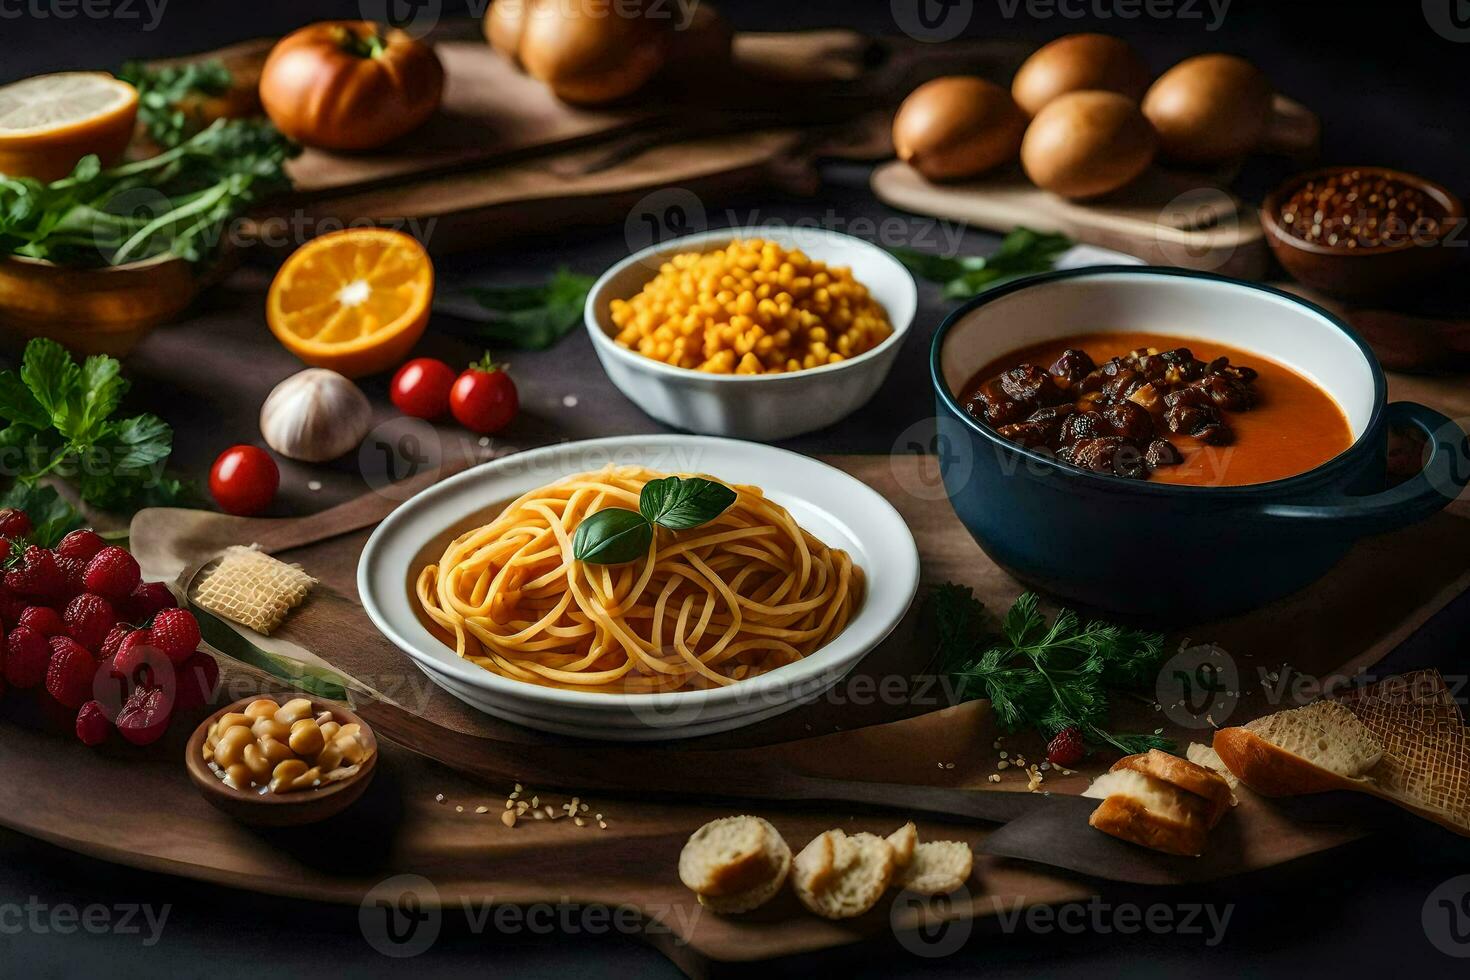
1353 209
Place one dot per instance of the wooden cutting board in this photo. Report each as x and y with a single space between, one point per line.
55 788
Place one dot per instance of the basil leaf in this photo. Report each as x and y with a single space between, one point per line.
612 537
680 504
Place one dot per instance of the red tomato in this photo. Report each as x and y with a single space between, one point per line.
421 388
244 480
484 398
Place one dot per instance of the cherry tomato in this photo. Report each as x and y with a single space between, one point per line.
421 388
244 480
484 398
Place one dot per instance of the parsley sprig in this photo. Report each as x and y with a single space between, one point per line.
1023 252
1047 676
59 422
165 95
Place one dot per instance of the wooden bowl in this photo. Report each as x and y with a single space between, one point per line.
94 311
1363 274
284 809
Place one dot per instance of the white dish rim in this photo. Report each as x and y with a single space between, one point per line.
782 234
897 569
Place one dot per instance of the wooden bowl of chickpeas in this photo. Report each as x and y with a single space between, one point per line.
282 761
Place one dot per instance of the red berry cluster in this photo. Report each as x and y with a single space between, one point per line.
81 626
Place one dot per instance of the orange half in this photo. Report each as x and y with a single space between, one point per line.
353 301
49 122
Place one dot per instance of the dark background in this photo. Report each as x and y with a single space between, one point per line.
1390 90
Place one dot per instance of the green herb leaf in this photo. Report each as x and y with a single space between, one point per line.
163 95
532 317
60 424
612 537
680 504
1023 252
1047 677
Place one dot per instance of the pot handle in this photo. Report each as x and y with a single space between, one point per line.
1445 474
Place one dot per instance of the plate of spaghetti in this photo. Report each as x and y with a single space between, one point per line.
640 588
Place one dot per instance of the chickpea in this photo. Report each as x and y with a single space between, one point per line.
238 775
257 762
330 757
284 776
261 708
352 750
231 747
330 730
270 728
307 779
231 720
306 737
293 711
276 751
351 730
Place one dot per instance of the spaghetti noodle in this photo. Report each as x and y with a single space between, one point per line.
742 595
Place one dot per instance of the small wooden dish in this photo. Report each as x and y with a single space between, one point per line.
283 809
1375 274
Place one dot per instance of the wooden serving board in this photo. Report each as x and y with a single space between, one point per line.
55 789
1164 218
1188 219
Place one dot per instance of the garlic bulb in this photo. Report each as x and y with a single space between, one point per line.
315 416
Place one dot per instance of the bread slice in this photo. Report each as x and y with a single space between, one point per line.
812 867
862 867
1203 755
1147 811
902 841
938 867
1185 775
731 856
778 857
1314 749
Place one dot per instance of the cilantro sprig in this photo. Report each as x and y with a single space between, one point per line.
165 95
1048 676
59 423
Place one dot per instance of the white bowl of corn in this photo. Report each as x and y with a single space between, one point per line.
755 333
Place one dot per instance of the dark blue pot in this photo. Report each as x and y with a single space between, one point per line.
1170 552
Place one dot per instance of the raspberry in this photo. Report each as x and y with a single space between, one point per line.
35 573
147 600
42 619
1066 748
176 633
73 576
112 573
135 651
144 716
14 523
113 641
89 618
197 678
81 545
26 655
92 724
70 673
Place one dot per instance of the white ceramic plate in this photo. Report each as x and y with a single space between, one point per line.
764 407
842 511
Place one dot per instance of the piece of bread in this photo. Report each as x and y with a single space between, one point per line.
1185 775
1203 755
812 867
778 857
731 856
938 867
1147 811
902 841
862 867
1314 749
